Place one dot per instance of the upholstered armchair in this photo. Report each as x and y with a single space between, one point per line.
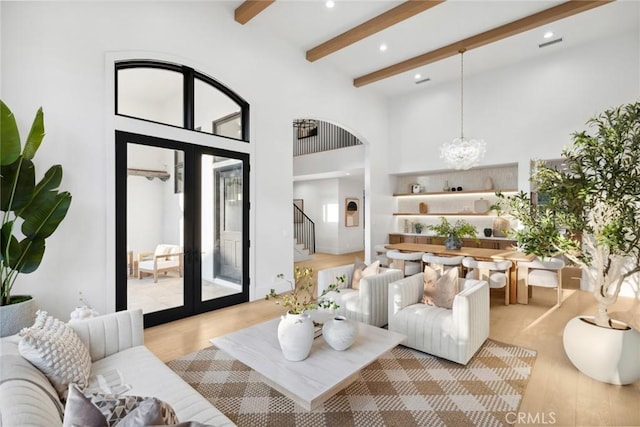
546 273
496 273
454 334
164 259
367 304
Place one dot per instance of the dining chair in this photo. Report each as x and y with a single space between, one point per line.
409 262
543 272
496 273
443 263
381 255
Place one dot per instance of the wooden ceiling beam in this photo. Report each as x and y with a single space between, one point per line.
249 9
387 19
516 27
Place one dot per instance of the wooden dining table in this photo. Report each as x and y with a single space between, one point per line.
480 254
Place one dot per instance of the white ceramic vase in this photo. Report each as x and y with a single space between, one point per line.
340 332
295 334
605 354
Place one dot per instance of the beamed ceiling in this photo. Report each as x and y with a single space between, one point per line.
425 37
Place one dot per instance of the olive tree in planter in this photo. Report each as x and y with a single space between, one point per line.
30 212
591 214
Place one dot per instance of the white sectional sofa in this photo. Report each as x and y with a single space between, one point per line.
115 342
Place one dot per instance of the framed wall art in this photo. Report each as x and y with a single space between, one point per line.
351 212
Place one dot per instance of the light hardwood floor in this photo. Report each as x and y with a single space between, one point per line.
557 394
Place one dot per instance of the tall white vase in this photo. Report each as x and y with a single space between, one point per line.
605 354
295 334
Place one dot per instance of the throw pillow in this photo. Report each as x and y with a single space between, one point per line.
104 410
57 351
117 408
79 411
440 290
150 411
360 270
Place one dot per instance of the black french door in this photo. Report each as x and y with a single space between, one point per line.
182 228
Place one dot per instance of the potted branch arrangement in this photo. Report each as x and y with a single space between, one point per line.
30 213
590 213
454 232
296 329
500 226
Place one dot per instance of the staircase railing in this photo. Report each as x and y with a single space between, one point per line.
304 229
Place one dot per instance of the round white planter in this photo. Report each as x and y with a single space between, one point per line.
14 317
340 332
605 354
295 334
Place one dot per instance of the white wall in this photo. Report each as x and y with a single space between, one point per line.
351 239
525 111
324 204
57 55
321 205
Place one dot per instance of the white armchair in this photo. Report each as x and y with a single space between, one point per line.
369 303
496 273
454 334
164 259
546 273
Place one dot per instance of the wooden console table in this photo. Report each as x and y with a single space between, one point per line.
482 254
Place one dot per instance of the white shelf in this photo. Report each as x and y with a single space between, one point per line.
454 193
442 214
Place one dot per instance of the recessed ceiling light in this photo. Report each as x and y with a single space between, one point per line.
548 34
330 3
383 47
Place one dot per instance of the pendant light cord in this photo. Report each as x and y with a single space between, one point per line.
462 51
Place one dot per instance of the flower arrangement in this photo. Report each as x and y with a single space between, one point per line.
301 297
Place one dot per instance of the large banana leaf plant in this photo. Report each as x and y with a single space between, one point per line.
30 212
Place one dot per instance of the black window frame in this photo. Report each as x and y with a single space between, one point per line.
189 76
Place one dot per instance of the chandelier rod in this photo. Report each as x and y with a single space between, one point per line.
462 51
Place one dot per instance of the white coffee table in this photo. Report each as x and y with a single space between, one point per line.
321 375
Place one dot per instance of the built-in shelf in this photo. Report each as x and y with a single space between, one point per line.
453 193
441 214
471 204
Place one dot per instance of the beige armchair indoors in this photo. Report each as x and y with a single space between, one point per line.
164 259
367 304
454 334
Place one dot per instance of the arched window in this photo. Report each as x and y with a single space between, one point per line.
177 95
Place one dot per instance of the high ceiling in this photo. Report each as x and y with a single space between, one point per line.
307 24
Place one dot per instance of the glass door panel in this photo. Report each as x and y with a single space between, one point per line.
221 227
182 226
155 229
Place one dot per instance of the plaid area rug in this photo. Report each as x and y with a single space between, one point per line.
402 388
